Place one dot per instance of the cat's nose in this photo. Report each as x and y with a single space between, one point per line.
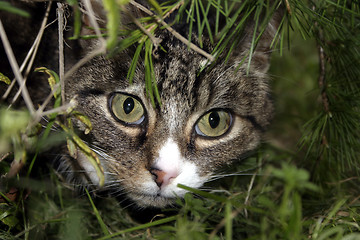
163 178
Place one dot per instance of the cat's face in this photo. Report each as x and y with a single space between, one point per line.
205 121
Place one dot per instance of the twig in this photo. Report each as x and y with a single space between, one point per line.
4 156
322 81
288 8
322 86
60 109
156 41
15 69
173 32
248 193
322 71
186 41
147 11
222 224
29 54
93 21
60 11
91 55
39 113
33 54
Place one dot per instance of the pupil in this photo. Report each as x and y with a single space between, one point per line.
128 105
214 119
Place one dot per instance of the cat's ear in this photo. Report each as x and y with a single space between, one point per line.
93 10
94 13
260 57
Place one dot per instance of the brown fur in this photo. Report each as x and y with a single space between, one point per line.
186 95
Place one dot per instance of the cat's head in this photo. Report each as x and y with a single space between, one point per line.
206 120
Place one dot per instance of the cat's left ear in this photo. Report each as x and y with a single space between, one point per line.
94 13
260 57
264 47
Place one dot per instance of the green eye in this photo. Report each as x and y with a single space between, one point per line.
127 109
214 123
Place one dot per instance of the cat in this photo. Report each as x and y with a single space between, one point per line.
206 119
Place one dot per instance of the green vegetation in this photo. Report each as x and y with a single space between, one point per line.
302 183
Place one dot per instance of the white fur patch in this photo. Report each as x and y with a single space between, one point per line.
178 168
172 121
88 168
169 157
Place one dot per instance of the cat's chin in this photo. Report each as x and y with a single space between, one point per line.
151 201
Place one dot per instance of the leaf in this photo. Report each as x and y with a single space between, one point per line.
71 147
134 62
12 122
53 79
95 162
113 22
77 18
103 226
156 5
88 153
20 156
141 227
7 215
84 119
4 79
11 9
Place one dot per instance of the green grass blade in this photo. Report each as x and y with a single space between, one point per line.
134 63
97 214
113 22
140 227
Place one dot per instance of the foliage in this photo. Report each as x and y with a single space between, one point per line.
305 180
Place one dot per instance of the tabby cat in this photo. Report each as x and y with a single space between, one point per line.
206 120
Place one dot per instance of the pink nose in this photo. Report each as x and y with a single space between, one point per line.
163 178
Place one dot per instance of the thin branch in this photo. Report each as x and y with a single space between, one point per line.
322 70
322 80
147 11
60 11
186 41
222 223
156 41
39 113
288 8
61 109
322 87
33 54
91 55
93 21
4 156
173 32
33 48
15 69
248 193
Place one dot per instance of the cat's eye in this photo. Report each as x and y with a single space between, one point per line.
214 123
127 109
